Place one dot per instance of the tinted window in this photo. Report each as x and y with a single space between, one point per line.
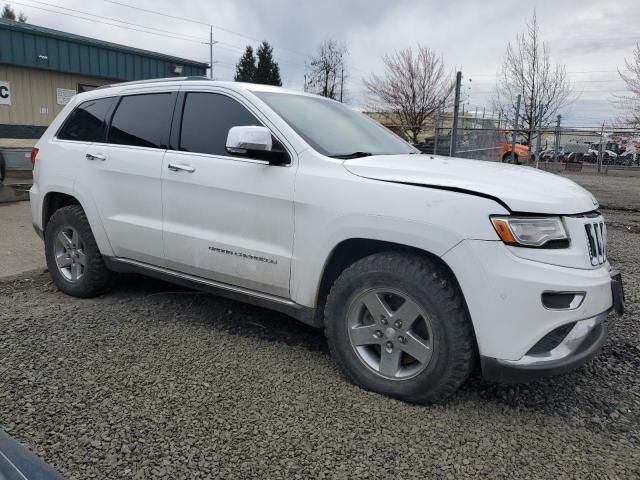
206 120
86 122
141 120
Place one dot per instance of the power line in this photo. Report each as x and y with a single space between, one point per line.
130 25
123 24
224 29
164 35
120 21
158 13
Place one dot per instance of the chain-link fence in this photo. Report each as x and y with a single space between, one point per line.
555 148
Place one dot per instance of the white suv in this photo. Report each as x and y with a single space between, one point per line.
416 266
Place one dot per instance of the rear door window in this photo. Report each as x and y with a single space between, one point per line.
206 120
87 122
142 120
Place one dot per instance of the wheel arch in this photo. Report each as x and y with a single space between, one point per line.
54 201
57 198
351 250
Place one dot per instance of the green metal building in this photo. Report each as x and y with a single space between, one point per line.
41 69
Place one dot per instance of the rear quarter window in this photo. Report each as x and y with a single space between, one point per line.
87 122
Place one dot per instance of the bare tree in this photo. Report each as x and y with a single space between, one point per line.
630 103
414 84
527 71
326 71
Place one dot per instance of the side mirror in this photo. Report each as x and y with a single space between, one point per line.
254 142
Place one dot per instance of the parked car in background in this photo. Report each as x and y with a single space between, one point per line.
608 156
574 152
415 266
552 156
520 153
630 157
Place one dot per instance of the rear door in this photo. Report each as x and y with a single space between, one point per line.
226 218
124 174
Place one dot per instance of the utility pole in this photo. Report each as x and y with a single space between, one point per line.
538 139
456 107
600 155
211 51
435 130
557 143
514 131
341 82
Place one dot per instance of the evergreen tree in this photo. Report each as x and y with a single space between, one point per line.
246 66
8 13
268 71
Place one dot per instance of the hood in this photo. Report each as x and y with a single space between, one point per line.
522 189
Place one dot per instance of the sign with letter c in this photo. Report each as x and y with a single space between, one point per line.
5 93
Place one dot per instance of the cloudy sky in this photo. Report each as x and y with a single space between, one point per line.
591 37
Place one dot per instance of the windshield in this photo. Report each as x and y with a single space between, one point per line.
333 129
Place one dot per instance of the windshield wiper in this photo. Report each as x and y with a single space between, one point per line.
347 156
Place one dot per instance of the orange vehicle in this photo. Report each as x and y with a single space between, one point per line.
521 153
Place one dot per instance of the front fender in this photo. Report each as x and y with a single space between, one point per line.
310 260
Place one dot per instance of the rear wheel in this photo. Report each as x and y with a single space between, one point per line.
397 324
73 258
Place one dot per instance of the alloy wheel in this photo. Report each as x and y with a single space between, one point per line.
70 255
390 333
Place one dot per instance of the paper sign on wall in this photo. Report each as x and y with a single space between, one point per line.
5 93
64 95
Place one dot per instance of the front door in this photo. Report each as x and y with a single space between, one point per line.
226 218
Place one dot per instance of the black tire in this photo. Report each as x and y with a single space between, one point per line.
96 277
506 158
3 168
436 291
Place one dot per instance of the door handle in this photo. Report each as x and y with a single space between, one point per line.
176 167
95 156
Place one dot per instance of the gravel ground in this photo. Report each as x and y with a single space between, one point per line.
152 381
613 190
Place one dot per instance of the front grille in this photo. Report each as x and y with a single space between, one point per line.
597 242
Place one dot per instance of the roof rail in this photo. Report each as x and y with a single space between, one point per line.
154 80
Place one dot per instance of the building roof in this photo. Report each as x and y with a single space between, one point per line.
30 45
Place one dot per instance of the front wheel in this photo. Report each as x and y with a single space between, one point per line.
73 258
397 324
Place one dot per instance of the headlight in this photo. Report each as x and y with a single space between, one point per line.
531 231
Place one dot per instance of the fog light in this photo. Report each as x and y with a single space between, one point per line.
562 300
